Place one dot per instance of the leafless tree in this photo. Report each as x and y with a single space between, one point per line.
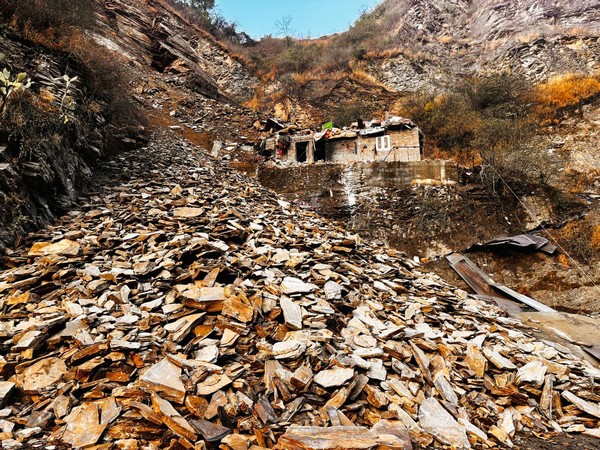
283 27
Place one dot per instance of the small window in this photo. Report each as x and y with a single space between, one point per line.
384 143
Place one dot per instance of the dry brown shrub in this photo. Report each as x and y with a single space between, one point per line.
45 14
564 92
596 237
254 103
445 39
363 76
564 260
383 54
581 240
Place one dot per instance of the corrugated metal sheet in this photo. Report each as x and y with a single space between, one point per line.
484 285
579 330
528 242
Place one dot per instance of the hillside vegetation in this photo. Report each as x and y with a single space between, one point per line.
481 88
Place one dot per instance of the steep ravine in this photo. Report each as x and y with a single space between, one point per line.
177 73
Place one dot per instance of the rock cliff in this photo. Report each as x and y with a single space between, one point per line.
152 34
440 40
45 155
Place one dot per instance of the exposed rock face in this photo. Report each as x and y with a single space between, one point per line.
150 34
494 19
538 38
544 57
182 74
39 182
578 136
405 74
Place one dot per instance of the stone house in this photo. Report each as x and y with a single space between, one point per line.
393 139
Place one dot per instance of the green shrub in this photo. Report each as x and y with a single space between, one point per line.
10 85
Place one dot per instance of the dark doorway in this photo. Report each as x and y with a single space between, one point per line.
320 150
301 151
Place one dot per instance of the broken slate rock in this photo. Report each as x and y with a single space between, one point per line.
211 432
438 422
333 291
172 419
292 285
332 438
6 389
42 374
292 313
164 378
532 373
334 377
65 247
187 213
591 408
83 427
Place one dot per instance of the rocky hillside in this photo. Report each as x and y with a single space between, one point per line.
50 136
143 59
171 312
154 35
537 38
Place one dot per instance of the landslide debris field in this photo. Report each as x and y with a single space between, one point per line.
182 305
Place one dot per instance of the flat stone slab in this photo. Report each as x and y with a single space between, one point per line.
65 247
438 422
42 374
165 378
333 377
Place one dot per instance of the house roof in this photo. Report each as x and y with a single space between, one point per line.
372 128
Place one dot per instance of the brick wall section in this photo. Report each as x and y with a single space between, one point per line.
405 148
405 145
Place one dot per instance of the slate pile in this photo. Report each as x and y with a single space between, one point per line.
184 306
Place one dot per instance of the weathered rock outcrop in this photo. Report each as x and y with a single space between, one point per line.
43 164
441 40
182 74
151 34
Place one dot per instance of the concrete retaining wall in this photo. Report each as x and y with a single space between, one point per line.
335 177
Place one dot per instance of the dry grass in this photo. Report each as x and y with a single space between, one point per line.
254 103
45 96
100 70
390 53
596 238
527 38
445 39
581 239
564 260
44 14
363 76
564 92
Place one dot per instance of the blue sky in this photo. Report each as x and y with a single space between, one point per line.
310 18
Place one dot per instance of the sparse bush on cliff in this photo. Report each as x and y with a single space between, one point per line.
103 83
202 13
581 239
45 14
487 121
10 86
